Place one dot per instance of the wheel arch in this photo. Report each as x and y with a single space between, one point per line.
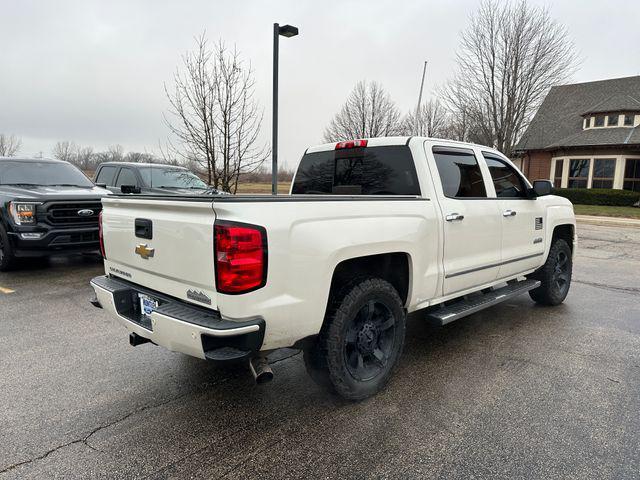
394 267
566 232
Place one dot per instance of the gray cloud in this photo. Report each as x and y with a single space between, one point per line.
93 71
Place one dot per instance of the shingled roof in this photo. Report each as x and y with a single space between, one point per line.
558 122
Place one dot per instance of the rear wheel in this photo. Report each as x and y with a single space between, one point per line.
554 275
361 340
7 258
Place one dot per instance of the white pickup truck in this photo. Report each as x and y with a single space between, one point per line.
372 230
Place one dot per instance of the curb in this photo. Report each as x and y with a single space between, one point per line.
608 221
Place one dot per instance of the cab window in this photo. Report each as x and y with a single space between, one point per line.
383 170
459 172
506 181
126 177
107 175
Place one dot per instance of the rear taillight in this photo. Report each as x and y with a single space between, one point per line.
241 257
351 144
100 235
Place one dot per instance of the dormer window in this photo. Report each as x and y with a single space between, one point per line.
608 120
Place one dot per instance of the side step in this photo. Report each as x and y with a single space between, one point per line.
448 313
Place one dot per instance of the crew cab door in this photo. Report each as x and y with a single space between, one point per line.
522 221
472 222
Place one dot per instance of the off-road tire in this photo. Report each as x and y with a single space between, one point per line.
554 275
337 361
7 258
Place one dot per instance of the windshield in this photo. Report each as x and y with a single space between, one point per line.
41 173
170 178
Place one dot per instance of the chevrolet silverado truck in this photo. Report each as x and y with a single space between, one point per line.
47 207
372 230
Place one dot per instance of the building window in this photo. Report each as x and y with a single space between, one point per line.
603 172
557 175
599 121
628 120
587 122
578 173
612 120
632 175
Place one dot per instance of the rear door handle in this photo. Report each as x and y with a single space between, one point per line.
509 213
453 217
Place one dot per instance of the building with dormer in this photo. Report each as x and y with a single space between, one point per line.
586 135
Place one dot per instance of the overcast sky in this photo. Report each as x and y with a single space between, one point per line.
93 71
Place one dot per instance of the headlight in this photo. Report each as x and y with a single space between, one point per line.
23 213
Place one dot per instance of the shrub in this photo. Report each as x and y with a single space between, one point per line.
599 196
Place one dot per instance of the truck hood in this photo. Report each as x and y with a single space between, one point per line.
44 192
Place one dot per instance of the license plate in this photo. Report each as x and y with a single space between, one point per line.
147 304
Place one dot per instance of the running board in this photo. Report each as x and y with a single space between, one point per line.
448 313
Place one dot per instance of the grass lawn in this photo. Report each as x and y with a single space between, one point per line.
606 211
283 187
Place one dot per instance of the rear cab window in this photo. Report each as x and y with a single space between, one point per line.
381 170
460 173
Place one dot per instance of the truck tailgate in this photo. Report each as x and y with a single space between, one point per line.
176 260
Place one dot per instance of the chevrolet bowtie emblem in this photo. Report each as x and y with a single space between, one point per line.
145 251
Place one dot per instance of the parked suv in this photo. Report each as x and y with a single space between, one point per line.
46 207
150 178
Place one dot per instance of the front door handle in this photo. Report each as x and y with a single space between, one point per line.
453 217
509 213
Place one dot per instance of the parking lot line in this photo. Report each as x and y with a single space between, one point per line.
6 290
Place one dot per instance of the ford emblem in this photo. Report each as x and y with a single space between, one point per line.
85 213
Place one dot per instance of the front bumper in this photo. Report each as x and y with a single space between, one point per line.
54 241
178 325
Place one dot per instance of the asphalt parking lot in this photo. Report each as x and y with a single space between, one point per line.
516 391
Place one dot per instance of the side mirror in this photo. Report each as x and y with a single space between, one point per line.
542 187
130 189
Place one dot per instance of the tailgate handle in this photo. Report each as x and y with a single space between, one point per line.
144 228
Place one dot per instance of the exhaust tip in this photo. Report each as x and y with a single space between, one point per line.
261 370
264 377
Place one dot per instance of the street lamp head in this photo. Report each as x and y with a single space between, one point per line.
288 31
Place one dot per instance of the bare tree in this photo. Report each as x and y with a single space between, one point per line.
115 153
368 112
9 145
140 157
429 120
213 115
66 151
85 159
509 57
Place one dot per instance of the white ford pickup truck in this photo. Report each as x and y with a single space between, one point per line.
371 231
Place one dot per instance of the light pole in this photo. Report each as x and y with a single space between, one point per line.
285 31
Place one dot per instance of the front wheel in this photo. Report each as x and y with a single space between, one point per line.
361 340
554 275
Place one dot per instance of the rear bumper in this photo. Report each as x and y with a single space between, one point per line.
180 326
53 241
